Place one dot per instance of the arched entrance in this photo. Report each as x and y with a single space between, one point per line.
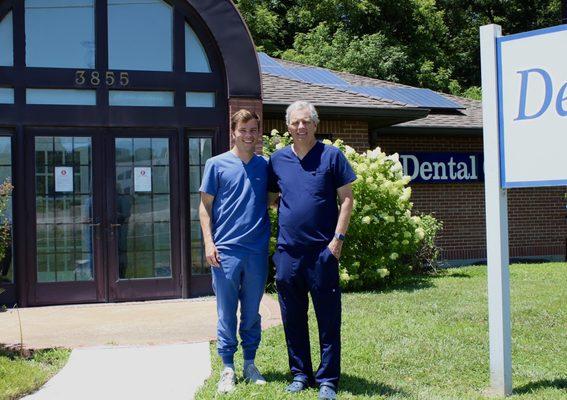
110 109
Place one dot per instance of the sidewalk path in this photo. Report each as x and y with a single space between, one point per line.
172 372
144 350
121 324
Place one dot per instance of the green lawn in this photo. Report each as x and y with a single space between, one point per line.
19 376
428 339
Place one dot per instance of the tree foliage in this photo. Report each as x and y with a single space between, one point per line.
427 43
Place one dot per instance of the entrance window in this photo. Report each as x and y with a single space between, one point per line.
6 96
7 41
195 57
70 97
140 99
6 264
200 99
200 150
60 33
143 208
64 230
135 44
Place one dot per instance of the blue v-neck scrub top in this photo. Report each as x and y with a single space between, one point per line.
240 216
308 210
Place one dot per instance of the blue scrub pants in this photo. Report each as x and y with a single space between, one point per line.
241 277
315 271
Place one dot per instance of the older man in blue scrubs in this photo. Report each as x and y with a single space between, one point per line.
310 176
236 230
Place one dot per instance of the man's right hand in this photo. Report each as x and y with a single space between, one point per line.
212 254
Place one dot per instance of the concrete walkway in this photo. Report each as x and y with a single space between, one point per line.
172 372
142 350
120 324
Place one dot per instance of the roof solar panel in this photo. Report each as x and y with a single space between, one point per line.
415 96
317 75
267 61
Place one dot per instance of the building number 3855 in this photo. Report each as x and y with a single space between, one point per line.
95 78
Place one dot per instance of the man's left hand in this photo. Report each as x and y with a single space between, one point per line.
336 247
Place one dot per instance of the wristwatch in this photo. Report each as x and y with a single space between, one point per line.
340 236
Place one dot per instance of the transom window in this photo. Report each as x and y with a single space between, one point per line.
106 53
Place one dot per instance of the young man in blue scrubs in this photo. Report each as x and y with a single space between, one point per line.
236 231
310 176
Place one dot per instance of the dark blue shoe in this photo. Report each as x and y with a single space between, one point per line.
327 391
296 386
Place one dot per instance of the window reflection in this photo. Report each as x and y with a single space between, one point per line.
200 150
7 41
60 33
64 216
195 56
6 263
140 35
143 208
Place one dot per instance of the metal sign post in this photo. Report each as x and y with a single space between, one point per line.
496 223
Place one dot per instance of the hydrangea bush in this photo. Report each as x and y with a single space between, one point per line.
384 239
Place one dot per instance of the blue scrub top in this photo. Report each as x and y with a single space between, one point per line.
308 210
240 215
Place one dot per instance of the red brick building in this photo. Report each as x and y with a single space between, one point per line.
109 111
537 216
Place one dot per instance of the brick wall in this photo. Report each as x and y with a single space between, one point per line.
354 133
536 216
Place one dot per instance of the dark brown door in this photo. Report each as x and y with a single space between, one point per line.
66 231
103 227
143 249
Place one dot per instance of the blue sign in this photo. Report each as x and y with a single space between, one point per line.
443 167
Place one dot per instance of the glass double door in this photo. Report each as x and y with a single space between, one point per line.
103 226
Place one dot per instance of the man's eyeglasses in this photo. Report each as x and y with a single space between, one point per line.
305 122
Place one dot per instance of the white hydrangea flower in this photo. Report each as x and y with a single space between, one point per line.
394 157
394 256
366 220
383 272
274 132
405 242
349 150
420 233
396 167
280 146
327 142
370 179
406 194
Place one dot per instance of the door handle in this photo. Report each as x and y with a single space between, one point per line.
115 225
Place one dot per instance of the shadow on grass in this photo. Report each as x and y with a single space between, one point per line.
544 384
359 386
354 385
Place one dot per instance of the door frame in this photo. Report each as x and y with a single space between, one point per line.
105 261
76 291
147 288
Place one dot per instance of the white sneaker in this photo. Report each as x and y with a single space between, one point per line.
251 374
227 382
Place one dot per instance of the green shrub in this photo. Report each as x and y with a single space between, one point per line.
384 239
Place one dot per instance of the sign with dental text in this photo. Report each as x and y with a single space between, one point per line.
443 167
142 179
532 107
63 179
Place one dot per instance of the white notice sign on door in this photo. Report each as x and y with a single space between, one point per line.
143 179
63 179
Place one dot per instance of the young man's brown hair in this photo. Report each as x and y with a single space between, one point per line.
243 116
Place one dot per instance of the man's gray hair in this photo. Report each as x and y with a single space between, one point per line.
301 105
